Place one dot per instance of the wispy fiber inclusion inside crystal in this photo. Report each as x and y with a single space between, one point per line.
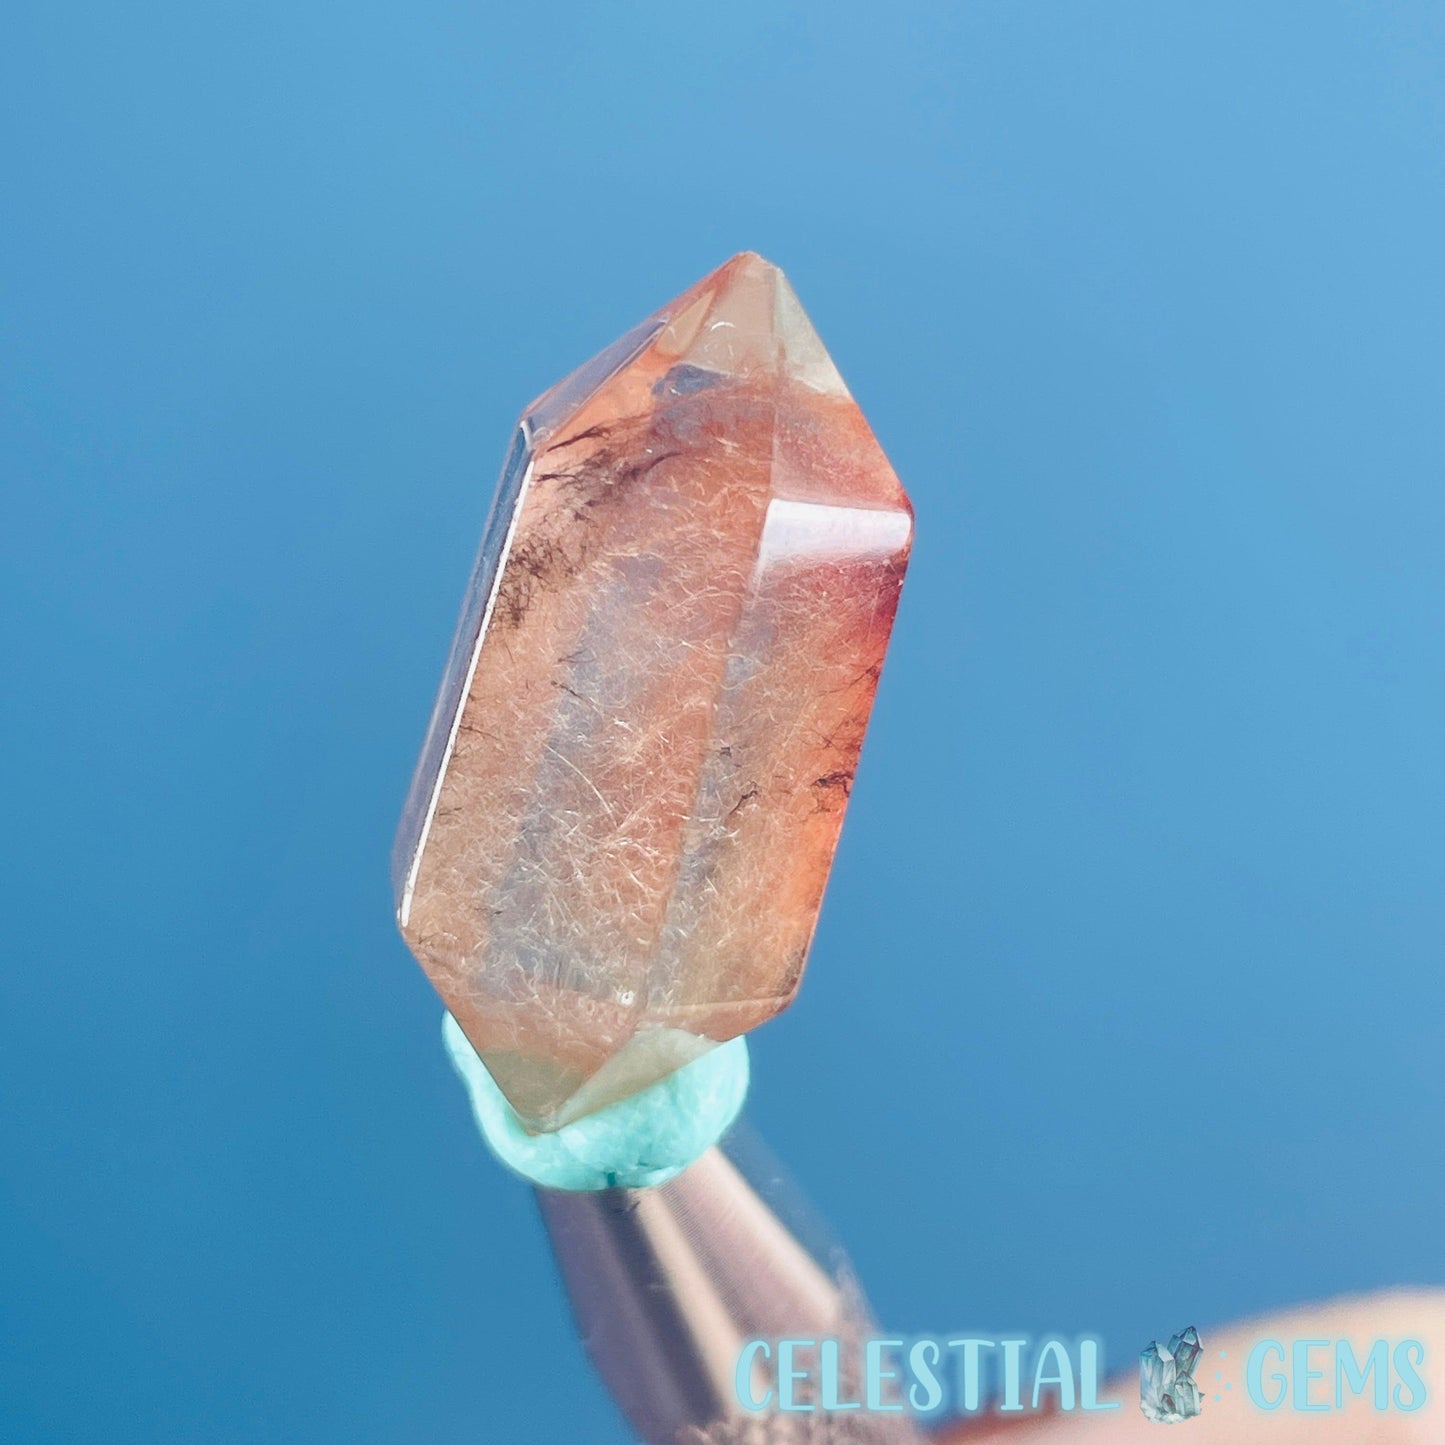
622 823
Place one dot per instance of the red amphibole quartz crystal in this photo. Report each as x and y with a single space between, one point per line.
620 829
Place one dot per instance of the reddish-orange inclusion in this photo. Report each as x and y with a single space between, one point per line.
621 827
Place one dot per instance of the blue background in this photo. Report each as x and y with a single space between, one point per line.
1126 1007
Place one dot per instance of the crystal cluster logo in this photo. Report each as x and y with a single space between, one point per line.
1167 1392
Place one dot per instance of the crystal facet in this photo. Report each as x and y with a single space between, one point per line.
617 839
1167 1390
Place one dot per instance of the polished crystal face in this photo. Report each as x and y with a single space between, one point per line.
619 832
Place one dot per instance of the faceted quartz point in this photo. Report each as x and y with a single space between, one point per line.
618 835
1167 1389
